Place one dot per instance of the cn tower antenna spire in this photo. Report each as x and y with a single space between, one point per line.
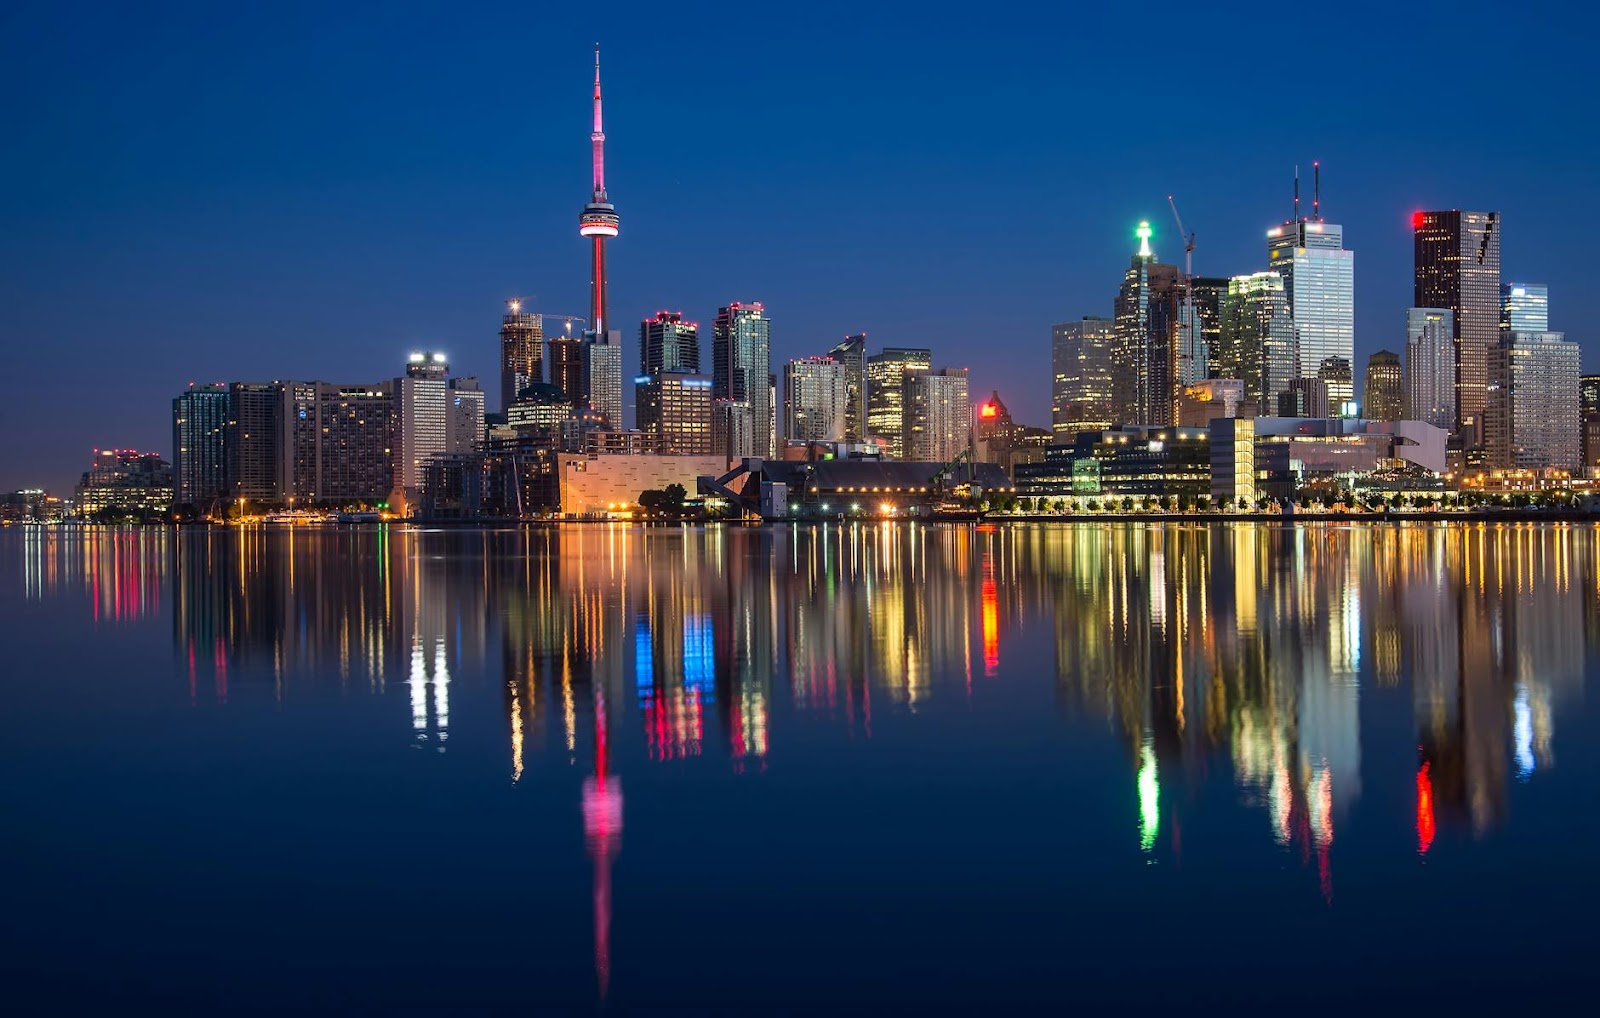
598 137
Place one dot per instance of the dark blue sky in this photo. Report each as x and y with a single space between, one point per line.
219 192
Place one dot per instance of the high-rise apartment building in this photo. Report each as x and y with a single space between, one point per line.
733 428
1145 354
1589 408
466 413
566 368
1524 307
937 415
356 453
422 418
1080 363
741 355
252 444
815 400
1383 396
1319 283
1430 370
199 446
1533 419
674 412
852 353
886 377
1456 267
1257 344
1209 294
602 376
668 343
521 352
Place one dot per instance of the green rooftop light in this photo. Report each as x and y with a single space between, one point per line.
1143 233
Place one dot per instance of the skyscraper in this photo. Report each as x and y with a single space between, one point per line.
465 429
1144 356
1456 267
199 429
1080 362
252 442
1383 396
566 368
599 220
668 343
423 419
674 412
886 374
521 352
602 372
937 415
1524 307
356 458
852 353
1319 282
1589 408
741 355
1209 293
815 397
1532 420
1257 338
1430 370
733 428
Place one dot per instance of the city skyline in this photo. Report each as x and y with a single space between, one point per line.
328 296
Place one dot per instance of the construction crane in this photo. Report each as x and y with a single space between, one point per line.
943 474
515 305
1186 348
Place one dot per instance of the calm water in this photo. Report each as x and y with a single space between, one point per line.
1114 766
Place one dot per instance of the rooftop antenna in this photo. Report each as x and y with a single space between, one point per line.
1316 191
1297 193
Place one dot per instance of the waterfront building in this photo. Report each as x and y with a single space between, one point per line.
1257 344
937 415
668 343
886 374
741 345
1430 370
199 447
674 412
1082 388
253 443
815 400
521 352
1456 267
422 419
1524 307
356 458
124 480
1125 461
1589 408
1383 396
852 353
1533 417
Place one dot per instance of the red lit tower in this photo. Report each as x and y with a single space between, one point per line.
599 219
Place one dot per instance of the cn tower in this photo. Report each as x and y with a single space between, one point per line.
599 219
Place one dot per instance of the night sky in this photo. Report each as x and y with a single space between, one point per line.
246 192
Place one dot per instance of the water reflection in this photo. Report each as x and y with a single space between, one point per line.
1241 651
